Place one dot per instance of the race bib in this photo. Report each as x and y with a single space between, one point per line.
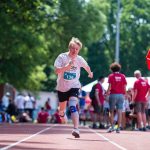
69 76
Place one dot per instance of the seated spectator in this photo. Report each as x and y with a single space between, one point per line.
55 118
133 117
43 116
24 117
11 111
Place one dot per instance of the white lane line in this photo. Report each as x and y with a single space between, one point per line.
27 138
117 145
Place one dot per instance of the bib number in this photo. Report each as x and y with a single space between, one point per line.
69 76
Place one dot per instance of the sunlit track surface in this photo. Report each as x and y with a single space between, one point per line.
58 137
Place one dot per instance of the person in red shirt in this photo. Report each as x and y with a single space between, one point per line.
141 91
42 116
98 102
116 91
55 117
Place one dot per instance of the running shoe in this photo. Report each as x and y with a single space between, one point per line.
110 129
144 129
76 133
140 129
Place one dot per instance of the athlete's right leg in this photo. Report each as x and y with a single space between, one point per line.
62 96
62 111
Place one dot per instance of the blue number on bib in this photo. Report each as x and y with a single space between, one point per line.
69 76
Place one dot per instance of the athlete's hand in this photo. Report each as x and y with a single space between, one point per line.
90 75
70 64
68 67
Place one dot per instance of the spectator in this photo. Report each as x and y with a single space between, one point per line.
43 116
82 115
11 111
29 104
24 117
141 92
55 117
106 112
98 102
124 110
117 90
82 95
128 109
148 112
1 106
133 117
20 102
5 101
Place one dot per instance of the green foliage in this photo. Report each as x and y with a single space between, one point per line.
80 19
22 46
36 77
100 36
34 32
98 60
135 37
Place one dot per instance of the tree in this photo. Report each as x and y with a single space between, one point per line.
134 35
135 38
22 45
80 19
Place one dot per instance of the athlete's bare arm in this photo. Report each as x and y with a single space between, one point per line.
63 69
90 74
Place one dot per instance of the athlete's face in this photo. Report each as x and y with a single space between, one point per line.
74 50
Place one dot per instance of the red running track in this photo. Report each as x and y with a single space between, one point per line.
58 137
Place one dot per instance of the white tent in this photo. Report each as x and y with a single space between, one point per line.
130 82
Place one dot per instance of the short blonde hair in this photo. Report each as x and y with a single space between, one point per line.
75 40
137 73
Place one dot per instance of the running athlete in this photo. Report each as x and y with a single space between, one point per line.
67 67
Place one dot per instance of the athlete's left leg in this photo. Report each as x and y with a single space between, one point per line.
74 112
74 115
